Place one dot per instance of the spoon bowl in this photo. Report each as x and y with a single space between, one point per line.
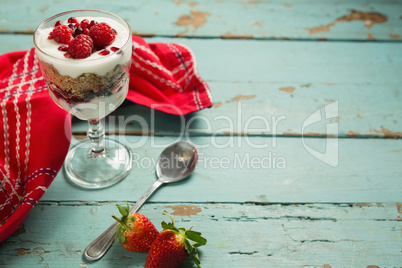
174 164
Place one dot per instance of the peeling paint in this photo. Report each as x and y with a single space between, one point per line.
359 116
217 104
326 266
368 17
372 266
394 36
363 204
229 35
312 134
290 134
243 97
191 4
352 134
23 251
370 37
35 252
257 23
184 210
287 89
388 133
251 2
196 19
399 207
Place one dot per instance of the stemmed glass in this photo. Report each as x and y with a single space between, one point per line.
90 89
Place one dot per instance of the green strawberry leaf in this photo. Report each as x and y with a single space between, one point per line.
123 210
196 258
188 246
120 234
168 226
130 218
196 237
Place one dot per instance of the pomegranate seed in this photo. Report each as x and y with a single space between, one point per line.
85 23
72 26
92 23
72 20
50 37
114 49
58 23
63 48
67 55
78 31
104 52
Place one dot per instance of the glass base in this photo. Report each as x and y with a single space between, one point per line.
95 170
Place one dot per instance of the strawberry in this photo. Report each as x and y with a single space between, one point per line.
136 232
172 246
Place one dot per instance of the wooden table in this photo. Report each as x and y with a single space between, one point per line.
300 155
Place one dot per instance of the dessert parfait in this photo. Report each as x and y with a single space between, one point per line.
85 57
85 61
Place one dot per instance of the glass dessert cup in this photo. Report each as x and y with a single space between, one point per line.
90 89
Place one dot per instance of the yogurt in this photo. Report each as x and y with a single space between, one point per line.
48 51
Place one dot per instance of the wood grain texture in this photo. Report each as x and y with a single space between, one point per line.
237 170
307 19
284 82
239 235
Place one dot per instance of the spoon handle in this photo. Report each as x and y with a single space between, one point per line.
100 245
145 196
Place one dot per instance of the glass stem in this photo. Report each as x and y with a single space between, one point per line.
96 133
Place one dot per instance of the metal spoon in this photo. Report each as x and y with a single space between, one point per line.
174 164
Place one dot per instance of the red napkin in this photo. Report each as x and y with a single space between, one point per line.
164 77
35 133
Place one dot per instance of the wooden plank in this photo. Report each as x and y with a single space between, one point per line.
286 82
308 19
237 169
239 235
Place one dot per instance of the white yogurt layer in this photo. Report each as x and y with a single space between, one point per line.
93 64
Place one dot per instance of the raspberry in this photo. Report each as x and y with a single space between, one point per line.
80 47
102 34
62 34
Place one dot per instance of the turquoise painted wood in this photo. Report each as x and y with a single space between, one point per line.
239 235
308 19
283 172
263 193
283 84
